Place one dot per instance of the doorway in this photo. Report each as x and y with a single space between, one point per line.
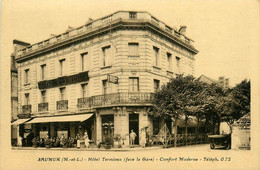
107 127
134 125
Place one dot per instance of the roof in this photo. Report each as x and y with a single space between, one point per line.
206 79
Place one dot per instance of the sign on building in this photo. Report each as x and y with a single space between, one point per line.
112 79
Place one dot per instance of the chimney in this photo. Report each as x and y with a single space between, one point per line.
17 44
182 29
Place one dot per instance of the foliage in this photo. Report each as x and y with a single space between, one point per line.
237 102
176 98
185 95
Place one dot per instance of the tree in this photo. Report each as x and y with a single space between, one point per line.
237 102
179 97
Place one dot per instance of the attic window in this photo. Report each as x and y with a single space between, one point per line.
132 15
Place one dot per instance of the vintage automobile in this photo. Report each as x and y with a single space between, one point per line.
220 141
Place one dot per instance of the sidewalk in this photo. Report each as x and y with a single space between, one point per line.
115 149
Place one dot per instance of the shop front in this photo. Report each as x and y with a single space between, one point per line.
68 126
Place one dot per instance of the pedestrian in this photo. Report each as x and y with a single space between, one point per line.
78 141
132 138
62 140
86 140
142 138
20 141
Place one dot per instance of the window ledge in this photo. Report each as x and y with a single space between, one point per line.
26 84
103 67
134 56
169 71
159 68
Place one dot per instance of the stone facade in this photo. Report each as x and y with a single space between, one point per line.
138 50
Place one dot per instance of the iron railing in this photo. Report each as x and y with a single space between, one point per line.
62 105
115 98
43 107
26 109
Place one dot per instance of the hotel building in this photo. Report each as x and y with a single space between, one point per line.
99 77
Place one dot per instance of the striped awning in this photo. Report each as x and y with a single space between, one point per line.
69 118
20 121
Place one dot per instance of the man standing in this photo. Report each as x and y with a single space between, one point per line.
132 138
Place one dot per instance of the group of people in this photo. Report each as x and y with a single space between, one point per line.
143 137
61 141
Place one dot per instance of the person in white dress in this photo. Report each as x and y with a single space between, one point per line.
19 141
142 138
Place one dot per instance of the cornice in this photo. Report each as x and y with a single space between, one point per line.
116 25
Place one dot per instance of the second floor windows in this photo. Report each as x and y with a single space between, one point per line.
133 49
27 98
133 84
43 71
62 67
84 90
156 85
43 96
169 60
156 56
106 60
105 86
63 93
83 61
26 76
178 64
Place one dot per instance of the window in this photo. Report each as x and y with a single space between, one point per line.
83 60
62 93
27 98
43 93
62 67
133 84
133 49
178 64
156 84
169 60
132 15
105 86
106 55
43 70
26 76
156 56
84 90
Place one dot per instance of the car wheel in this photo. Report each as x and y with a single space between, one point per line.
228 146
212 146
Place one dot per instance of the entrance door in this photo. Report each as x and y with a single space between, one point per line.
134 125
107 127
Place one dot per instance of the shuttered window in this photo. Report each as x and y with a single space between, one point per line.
133 49
133 84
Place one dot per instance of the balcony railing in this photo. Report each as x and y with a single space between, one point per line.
26 109
43 107
115 98
62 105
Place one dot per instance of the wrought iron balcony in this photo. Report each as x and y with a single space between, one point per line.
62 105
115 98
26 109
43 107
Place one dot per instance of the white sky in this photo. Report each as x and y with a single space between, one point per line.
225 32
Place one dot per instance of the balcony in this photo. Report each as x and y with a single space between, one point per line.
115 99
62 105
26 109
43 107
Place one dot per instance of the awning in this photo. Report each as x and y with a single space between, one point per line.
20 121
70 118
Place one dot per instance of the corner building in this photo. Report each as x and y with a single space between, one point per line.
100 77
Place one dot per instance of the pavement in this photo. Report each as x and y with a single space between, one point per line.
124 148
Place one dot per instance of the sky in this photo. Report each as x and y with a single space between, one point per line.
226 33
